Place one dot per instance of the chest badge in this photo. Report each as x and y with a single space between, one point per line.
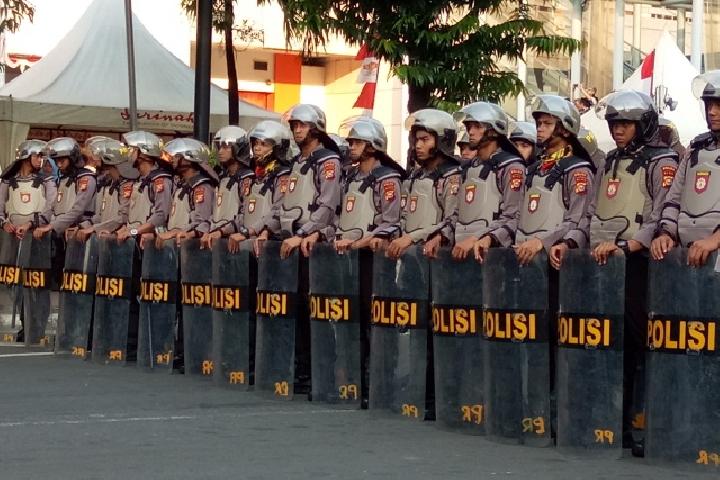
349 203
469 193
219 199
613 186
403 201
533 202
702 179
59 196
293 183
413 204
25 197
251 206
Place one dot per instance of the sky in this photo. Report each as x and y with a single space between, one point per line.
53 19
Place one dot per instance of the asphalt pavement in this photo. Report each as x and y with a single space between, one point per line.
63 418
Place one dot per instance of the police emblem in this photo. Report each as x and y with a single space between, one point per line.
349 203
533 202
251 206
469 193
219 199
612 187
25 197
59 196
403 201
293 182
413 204
702 179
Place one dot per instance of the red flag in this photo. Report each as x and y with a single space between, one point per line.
646 73
366 99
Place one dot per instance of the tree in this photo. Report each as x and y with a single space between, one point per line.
13 12
442 49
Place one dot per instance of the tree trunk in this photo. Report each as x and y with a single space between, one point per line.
233 112
418 97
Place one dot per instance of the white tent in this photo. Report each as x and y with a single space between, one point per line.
668 68
83 84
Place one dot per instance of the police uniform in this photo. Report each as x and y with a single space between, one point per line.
27 199
75 201
192 205
150 200
559 191
490 197
311 202
692 205
112 204
229 198
371 203
262 194
432 202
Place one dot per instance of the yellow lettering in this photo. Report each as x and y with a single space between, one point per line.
207 367
237 378
282 389
115 355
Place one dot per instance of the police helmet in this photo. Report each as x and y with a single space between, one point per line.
146 142
275 133
484 112
526 131
464 140
631 106
366 129
113 152
310 114
437 122
707 87
64 147
28 148
236 138
559 108
194 151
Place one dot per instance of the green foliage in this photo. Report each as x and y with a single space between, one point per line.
219 22
442 49
14 12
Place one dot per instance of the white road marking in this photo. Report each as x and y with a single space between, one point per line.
27 354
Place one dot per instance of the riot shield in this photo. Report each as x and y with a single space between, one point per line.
589 381
399 337
233 335
196 300
517 354
682 362
158 307
10 287
276 315
77 295
113 293
457 343
335 325
35 262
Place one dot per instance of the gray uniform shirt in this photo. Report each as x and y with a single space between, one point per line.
83 207
203 199
123 190
277 180
43 218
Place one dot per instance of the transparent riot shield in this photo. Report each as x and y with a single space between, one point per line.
335 325
196 299
589 382
457 343
158 307
113 291
233 337
11 291
77 297
399 333
276 316
36 262
516 328
682 362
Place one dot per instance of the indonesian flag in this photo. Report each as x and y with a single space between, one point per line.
647 70
368 76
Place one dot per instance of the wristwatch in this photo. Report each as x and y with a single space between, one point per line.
133 232
623 245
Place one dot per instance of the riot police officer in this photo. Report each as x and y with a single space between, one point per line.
27 195
493 183
690 216
559 184
114 191
371 200
76 190
236 178
270 142
524 136
152 192
467 151
309 208
431 205
194 196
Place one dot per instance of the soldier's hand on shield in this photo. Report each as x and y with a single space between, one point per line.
146 239
399 246
260 242
481 247
123 234
288 245
700 250
362 243
40 232
661 245
557 254
9 227
527 250
603 251
309 242
162 237
84 233
180 237
343 245
461 249
379 243
234 242
209 239
432 246
103 233
22 230
70 233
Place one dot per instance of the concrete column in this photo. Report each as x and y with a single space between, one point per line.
697 44
619 45
637 29
576 34
681 22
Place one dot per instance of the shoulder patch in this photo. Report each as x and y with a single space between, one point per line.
389 190
199 195
83 183
329 170
127 189
159 184
516 178
246 185
668 175
454 183
284 180
580 179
